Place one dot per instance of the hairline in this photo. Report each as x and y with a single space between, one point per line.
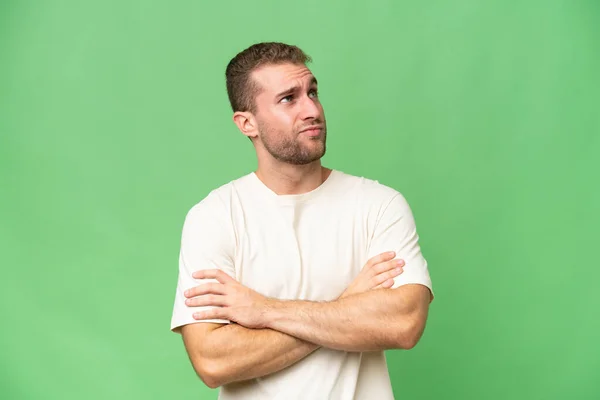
255 89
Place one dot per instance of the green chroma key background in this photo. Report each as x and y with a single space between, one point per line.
114 121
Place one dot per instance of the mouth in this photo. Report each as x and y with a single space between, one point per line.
314 130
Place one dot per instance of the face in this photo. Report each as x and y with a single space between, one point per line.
290 119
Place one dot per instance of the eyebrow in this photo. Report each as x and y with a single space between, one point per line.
293 89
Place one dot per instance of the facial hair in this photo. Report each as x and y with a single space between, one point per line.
288 149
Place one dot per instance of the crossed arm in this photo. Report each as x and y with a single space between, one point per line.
229 353
271 334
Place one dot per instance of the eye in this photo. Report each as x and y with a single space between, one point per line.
286 99
313 93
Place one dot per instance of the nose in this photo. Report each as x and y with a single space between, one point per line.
310 108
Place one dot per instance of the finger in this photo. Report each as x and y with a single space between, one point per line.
207 288
386 266
385 285
213 274
380 258
388 284
207 300
384 276
213 313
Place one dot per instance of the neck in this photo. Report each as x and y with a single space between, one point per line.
286 179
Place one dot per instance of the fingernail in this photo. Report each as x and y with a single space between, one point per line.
391 253
398 270
400 262
187 292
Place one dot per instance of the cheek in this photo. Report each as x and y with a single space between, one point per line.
283 121
285 116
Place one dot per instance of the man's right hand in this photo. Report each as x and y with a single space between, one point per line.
378 272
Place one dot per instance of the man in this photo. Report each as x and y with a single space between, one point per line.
293 279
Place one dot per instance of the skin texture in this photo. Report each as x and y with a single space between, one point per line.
369 321
267 334
223 354
288 157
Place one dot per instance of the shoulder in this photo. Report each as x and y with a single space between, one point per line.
218 201
368 189
375 198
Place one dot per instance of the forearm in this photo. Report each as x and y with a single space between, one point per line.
236 353
370 321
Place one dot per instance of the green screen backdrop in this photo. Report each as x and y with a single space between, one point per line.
114 122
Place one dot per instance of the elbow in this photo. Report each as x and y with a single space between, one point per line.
209 372
408 338
408 343
211 382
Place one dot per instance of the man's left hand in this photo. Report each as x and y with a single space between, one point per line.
233 301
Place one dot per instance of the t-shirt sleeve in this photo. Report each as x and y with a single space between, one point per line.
207 242
396 231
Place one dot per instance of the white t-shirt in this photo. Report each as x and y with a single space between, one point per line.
308 246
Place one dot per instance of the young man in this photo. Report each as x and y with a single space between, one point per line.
293 279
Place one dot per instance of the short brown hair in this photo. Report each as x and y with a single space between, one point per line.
240 88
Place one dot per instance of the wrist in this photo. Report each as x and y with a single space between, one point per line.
270 312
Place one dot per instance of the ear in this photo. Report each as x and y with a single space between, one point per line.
246 123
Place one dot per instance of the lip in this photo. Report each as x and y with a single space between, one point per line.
314 130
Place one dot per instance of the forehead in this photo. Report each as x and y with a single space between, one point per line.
274 78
